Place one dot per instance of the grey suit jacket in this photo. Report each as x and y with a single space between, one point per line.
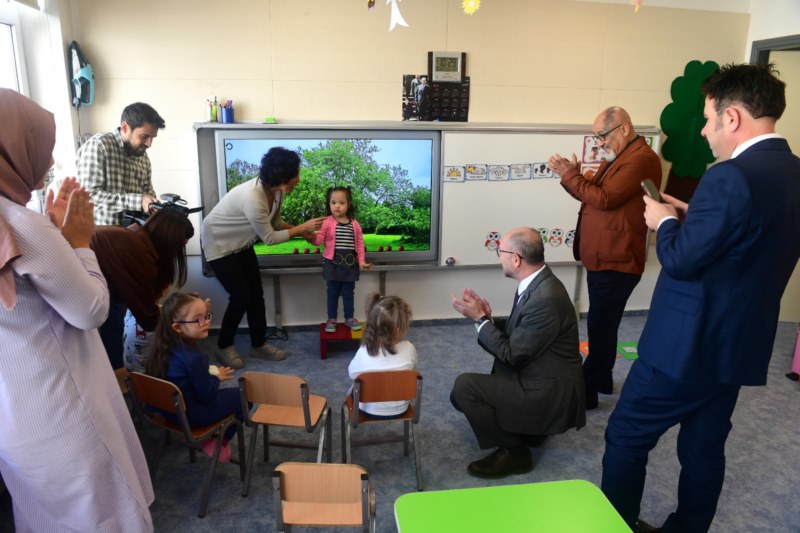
537 359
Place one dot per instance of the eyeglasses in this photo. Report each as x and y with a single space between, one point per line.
199 321
498 251
602 136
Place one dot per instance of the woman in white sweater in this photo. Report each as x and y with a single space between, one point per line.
249 212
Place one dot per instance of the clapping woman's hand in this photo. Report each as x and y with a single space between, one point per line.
78 224
56 204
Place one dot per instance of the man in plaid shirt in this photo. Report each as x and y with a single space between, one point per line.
114 166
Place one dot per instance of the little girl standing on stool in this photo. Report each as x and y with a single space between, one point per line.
384 348
343 256
173 356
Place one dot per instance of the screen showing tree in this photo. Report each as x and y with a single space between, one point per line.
393 178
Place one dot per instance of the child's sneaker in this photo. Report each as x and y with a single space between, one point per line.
330 326
353 324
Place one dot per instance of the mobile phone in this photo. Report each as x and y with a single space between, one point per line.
651 190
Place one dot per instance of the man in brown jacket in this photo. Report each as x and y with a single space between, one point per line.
610 236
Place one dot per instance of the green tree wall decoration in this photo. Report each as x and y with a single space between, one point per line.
682 121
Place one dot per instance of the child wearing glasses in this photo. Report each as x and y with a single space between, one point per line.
173 356
343 257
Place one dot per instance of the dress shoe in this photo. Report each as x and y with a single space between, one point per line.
644 527
794 376
501 463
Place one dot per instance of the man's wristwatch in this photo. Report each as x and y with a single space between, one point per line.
482 319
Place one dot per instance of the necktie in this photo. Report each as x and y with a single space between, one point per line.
514 305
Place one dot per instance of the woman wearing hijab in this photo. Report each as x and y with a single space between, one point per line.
69 453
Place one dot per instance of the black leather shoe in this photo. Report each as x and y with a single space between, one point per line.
501 463
644 527
794 376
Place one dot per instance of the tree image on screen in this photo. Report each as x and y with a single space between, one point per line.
393 211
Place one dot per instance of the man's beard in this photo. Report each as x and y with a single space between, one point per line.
609 155
130 150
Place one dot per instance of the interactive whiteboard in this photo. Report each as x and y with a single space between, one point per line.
495 181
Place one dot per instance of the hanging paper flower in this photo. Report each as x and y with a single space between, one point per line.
397 18
470 6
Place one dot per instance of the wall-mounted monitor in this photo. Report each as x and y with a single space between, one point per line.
394 177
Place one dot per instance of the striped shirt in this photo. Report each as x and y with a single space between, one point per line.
345 237
115 181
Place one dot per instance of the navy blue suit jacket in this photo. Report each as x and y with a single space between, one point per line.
715 306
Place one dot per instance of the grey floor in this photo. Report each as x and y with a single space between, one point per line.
760 491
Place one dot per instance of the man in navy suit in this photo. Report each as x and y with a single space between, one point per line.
724 266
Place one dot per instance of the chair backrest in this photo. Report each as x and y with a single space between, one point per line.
323 494
122 376
389 386
320 482
155 392
275 389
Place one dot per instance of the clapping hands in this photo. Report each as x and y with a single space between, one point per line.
72 212
471 305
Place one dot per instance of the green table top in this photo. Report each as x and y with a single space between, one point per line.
573 506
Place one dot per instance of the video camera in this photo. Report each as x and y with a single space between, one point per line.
168 201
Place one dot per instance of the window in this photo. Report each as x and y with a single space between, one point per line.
12 64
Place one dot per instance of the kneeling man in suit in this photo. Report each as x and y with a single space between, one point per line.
536 384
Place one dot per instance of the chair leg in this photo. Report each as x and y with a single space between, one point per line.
347 456
417 456
329 442
276 492
266 444
212 468
406 423
344 440
242 451
251 458
323 434
162 441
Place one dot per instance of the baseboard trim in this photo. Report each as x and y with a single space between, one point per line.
419 323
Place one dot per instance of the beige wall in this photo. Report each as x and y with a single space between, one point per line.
788 63
530 61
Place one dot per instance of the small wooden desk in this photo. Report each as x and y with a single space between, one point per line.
342 334
573 506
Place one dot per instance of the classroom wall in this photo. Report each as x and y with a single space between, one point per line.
530 61
775 18
788 63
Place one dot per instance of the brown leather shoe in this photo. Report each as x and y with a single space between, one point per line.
501 463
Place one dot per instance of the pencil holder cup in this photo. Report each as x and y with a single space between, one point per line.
227 115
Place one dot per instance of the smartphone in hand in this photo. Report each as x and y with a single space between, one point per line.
651 190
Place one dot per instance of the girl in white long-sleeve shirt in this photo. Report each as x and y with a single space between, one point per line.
383 348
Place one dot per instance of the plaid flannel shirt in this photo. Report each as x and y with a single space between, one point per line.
115 180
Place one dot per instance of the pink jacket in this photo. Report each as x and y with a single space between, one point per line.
327 235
